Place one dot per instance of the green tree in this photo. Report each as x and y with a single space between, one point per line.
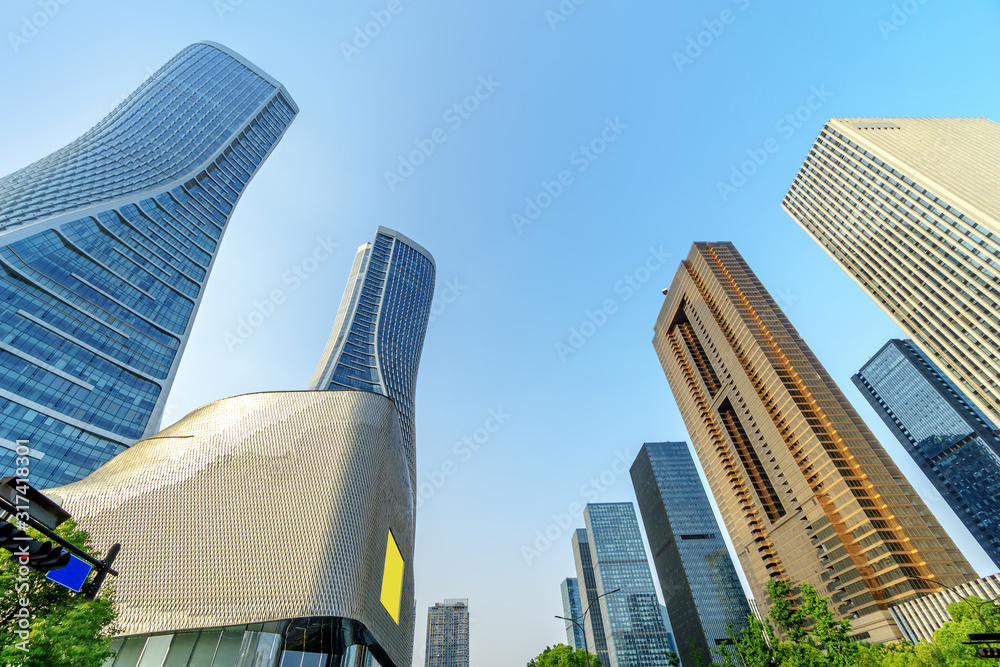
561 655
749 646
65 628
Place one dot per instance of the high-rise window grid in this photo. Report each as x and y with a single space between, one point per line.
844 499
633 626
95 308
912 214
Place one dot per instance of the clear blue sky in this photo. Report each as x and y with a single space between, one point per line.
554 85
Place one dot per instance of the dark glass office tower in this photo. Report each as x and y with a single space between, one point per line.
952 441
595 639
702 592
105 249
633 626
572 608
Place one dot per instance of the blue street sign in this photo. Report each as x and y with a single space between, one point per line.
73 576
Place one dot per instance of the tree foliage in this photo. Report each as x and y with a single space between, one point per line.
562 655
800 631
64 628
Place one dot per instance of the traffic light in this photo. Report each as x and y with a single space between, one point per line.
40 555
985 638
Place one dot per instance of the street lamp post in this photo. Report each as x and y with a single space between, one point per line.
583 619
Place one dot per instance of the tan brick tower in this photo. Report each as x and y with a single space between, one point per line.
806 491
910 208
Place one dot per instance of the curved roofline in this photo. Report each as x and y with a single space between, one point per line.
253 68
408 241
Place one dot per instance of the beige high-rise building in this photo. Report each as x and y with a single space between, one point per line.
910 208
806 491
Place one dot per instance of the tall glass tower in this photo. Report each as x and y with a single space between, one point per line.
389 290
105 248
594 638
633 625
570 590
955 444
699 582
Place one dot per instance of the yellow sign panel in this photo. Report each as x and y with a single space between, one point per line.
392 579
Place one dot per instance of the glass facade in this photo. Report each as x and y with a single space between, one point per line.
301 642
633 626
593 624
570 590
448 634
105 248
389 291
954 443
699 582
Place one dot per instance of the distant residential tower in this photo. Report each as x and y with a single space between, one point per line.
448 634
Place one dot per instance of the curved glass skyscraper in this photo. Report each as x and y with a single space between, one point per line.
330 471
389 291
105 247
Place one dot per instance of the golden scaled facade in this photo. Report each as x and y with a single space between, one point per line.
806 491
258 508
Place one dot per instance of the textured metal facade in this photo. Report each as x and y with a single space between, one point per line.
955 445
259 508
806 491
910 209
448 634
105 249
697 576
633 625
379 331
